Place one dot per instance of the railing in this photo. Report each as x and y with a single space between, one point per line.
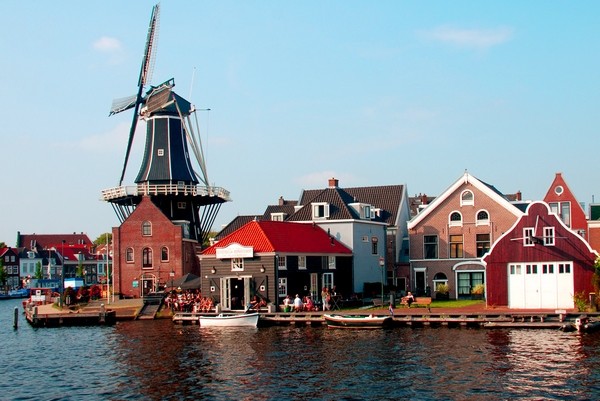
164 189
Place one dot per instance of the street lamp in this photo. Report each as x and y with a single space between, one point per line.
172 274
382 265
62 274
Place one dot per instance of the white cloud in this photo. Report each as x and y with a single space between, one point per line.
108 45
471 38
111 141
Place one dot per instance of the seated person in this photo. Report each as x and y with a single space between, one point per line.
408 299
257 303
309 305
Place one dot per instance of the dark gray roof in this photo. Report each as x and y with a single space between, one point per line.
235 224
386 198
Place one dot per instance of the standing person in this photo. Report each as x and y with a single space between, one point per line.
287 304
326 298
298 305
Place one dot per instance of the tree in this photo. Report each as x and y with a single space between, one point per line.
101 240
38 271
3 274
2 244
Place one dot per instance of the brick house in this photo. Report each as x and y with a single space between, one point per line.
451 234
148 250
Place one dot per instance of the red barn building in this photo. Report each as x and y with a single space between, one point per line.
540 263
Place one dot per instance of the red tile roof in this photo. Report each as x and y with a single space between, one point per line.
277 236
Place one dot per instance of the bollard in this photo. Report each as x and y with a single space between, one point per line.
16 318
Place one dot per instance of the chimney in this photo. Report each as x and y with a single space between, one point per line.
333 183
518 196
423 199
281 201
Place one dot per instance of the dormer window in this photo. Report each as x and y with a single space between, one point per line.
320 210
455 219
278 216
467 198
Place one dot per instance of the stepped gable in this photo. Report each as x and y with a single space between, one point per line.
271 236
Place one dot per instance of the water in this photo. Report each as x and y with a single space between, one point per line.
158 360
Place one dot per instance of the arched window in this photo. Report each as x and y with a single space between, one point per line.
455 219
466 198
483 217
147 258
129 255
146 228
164 254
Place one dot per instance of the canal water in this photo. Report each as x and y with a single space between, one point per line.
158 360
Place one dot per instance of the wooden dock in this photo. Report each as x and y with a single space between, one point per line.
534 320
70 318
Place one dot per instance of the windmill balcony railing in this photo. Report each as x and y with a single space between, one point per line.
163 189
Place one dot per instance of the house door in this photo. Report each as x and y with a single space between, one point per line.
147 284
420 281
314 285
235 292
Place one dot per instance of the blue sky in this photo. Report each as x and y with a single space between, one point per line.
371 93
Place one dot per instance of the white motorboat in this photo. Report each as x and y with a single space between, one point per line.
230 320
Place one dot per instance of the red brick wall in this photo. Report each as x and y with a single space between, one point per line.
437 223
182 257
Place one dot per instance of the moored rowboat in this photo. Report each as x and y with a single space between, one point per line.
229 320
357 321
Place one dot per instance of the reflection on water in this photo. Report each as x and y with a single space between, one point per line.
157 360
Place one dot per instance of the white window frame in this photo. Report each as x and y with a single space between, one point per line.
282 287
528 233
549 236
316 207
278 216
282 263
301 262
455 223
327 280
482 222
237 264
331 262
467 202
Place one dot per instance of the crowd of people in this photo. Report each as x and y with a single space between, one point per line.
189 301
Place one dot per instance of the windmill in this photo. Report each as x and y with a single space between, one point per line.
178 185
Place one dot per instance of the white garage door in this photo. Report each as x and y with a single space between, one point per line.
546 285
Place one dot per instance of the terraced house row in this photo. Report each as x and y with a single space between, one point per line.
523 254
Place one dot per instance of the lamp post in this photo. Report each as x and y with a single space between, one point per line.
172 274
62 274
382 265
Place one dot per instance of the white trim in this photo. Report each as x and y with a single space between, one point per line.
464 179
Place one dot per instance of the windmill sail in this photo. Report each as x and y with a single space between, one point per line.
135 101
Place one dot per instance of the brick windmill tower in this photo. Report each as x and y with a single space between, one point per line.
168 213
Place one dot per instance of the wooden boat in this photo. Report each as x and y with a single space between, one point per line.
584 324
357 321
229 320
12 294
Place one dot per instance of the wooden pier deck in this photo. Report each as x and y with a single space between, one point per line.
528 320
38 318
